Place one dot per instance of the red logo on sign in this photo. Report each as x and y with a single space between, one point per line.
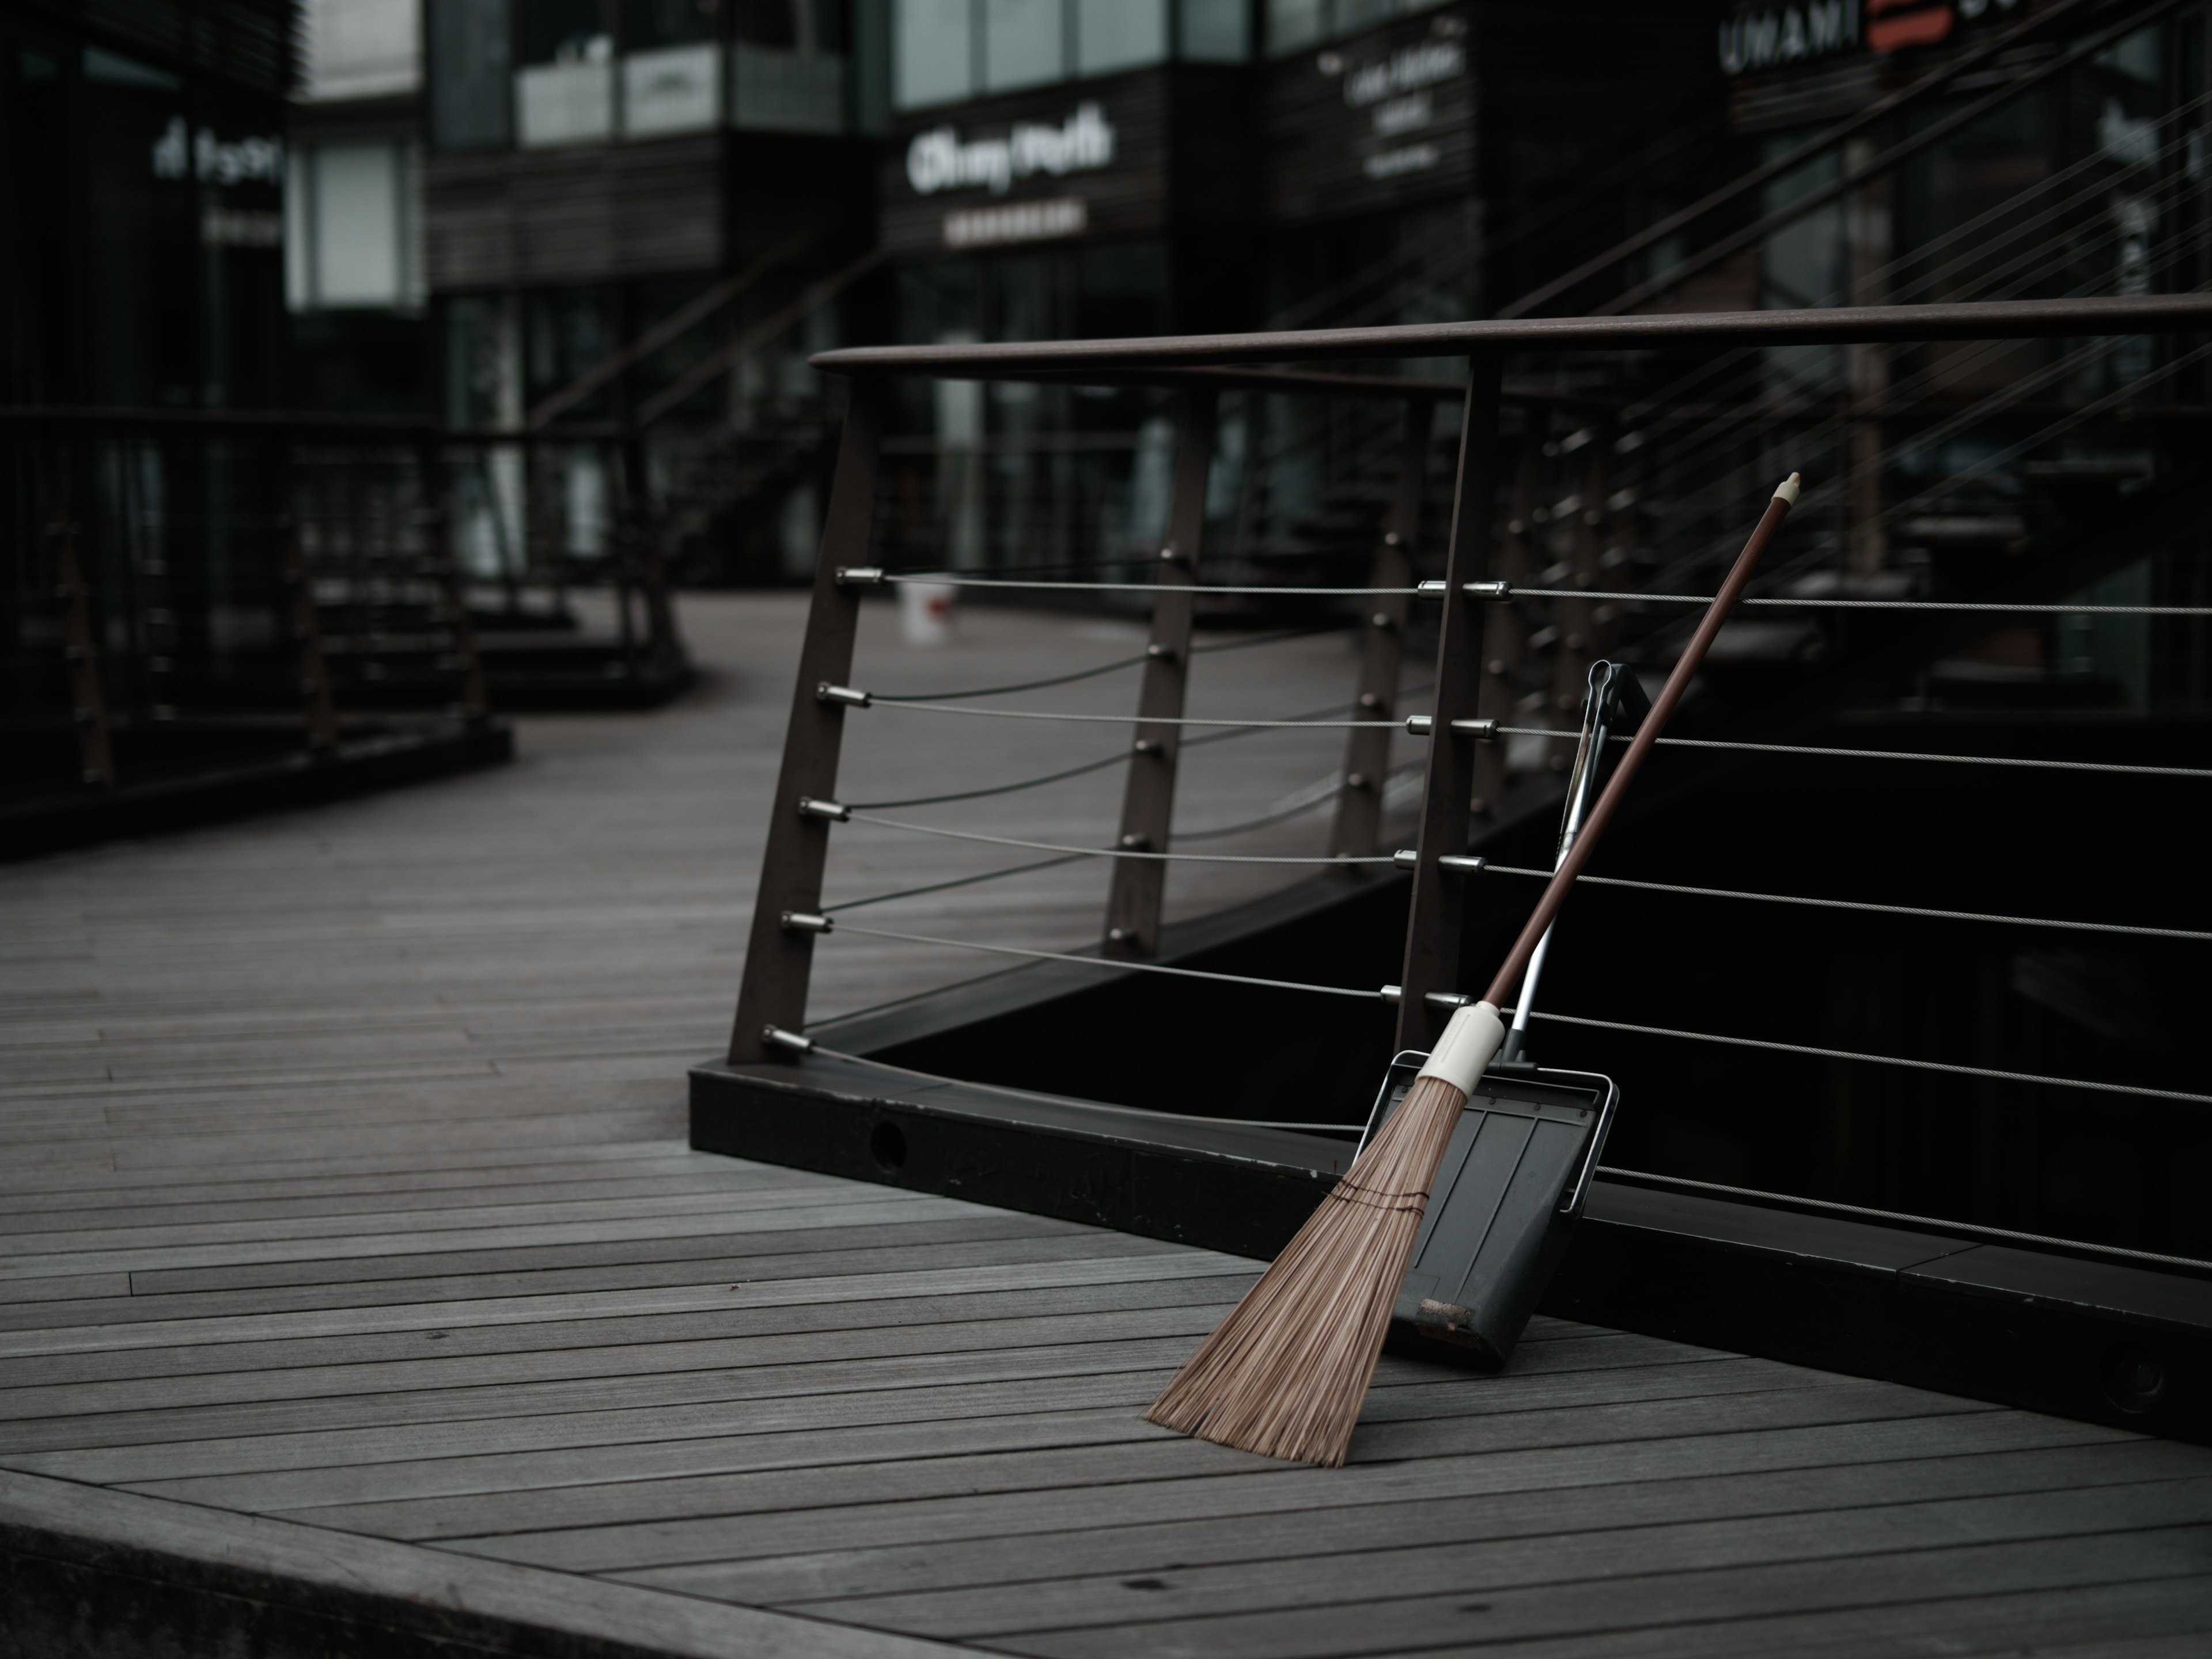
1891 24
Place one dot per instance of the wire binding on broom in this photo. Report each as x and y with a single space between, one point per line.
1285 1373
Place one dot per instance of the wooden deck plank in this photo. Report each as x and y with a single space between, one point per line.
1554 1557
820 1439
997 1236
350 1232
1314 1537
1247 1489
615 1527
1515 1611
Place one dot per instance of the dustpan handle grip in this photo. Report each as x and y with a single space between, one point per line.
1686 668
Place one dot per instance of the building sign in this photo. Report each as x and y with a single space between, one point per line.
1035 167
1777 37
1379 119
1019 222
217 160
939 161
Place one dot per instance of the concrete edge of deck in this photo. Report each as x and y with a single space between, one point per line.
2095 1340
88 1571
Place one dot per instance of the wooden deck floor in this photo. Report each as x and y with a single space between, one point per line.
351 1239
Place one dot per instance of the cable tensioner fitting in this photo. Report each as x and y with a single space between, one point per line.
1421 725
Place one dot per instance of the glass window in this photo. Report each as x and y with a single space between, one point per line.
566 31
1119 35
468 73
1292 24
933 59
650 23
1352 15
772 22
564 92
346 227
1022 44
1215 31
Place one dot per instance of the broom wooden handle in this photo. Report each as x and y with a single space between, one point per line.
1555 895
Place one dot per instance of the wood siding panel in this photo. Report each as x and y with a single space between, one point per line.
518 219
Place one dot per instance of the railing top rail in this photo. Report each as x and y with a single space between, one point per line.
1288 380
1180 355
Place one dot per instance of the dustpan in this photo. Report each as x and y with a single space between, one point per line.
1511 1187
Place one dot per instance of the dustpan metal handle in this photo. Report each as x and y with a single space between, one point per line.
1662 706
1597 729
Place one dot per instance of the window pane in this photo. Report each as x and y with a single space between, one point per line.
1022 44
565 32
1359 14
1118 34
650 23
1292 24
933 43
468 73
358 222
1215 31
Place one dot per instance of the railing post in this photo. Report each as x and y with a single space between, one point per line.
1132 902
316 712
1433 915
779 960
1367 755
651 564
88 707
445 563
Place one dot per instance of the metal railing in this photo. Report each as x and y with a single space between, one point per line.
178 566
1471 613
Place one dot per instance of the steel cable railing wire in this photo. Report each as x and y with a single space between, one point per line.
1811 1051
1115 759
1823 602
1111 852
1119 663
1111 963
921 708
2124 768
1866 906
957 581
843 905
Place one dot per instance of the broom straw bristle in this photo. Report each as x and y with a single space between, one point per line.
1285 1373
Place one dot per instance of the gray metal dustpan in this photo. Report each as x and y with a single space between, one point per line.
1514 1177
1508 1196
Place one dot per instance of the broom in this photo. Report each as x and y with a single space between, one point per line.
1285 1373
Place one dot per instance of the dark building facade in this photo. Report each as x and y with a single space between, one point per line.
142 171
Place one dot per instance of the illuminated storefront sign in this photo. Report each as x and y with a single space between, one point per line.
216 161
1375 122
938 160
1774 37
